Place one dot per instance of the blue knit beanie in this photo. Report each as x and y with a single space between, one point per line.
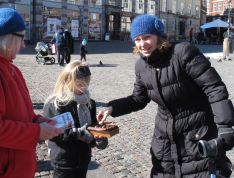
10 21
146 24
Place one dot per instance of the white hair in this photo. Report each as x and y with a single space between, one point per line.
8 43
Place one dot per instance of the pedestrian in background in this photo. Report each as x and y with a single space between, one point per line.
21 128
70 153
191 35
69 45
83 49
60 42
227 45
194 117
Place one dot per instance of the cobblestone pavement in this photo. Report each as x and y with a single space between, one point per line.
128 152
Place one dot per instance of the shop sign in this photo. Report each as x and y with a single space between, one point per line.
53 25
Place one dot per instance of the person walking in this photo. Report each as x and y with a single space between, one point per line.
83 49
69 45
194 118
191 35
59 40
70 153
21 128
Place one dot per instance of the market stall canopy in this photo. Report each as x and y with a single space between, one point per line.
215 23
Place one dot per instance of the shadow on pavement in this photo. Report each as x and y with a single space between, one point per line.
210 48
103 65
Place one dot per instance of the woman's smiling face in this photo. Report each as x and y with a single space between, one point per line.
146 44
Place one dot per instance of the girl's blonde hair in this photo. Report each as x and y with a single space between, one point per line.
68 81
163 45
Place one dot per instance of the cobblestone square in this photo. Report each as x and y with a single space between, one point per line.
128 152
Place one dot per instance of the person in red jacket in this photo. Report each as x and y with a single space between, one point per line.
21 128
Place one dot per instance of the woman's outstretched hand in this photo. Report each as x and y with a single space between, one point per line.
103 114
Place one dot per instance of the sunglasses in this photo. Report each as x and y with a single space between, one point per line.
19 35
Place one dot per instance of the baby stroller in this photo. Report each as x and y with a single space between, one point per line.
43 50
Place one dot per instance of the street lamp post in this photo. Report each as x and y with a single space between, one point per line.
80 22
229 16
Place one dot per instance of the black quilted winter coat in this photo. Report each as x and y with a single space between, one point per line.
192 99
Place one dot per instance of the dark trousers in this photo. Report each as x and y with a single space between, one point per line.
83 56
68 55
70 173
61 53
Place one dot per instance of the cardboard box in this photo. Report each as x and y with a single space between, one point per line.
108 129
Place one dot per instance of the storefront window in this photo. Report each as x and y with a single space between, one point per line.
125 28
95 26
74 1
95 2
73 22
51 20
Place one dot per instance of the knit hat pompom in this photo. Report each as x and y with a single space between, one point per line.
146 24
10 21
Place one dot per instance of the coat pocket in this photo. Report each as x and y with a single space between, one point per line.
192 138
6 162
157 147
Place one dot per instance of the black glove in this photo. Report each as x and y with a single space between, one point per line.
208 148
224 142
226 135
83 134
101 143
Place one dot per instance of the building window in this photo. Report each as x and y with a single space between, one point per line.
174 6
220 6
164 5
140 4
95 2
204 3
182 8
125 5
214 7
94 26
111 2
225 6
151 7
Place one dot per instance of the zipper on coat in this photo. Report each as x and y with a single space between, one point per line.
170 129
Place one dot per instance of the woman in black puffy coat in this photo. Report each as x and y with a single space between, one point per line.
193 125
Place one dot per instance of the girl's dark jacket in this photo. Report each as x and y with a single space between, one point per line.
192 100
67 150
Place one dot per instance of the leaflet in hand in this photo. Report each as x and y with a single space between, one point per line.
64 120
